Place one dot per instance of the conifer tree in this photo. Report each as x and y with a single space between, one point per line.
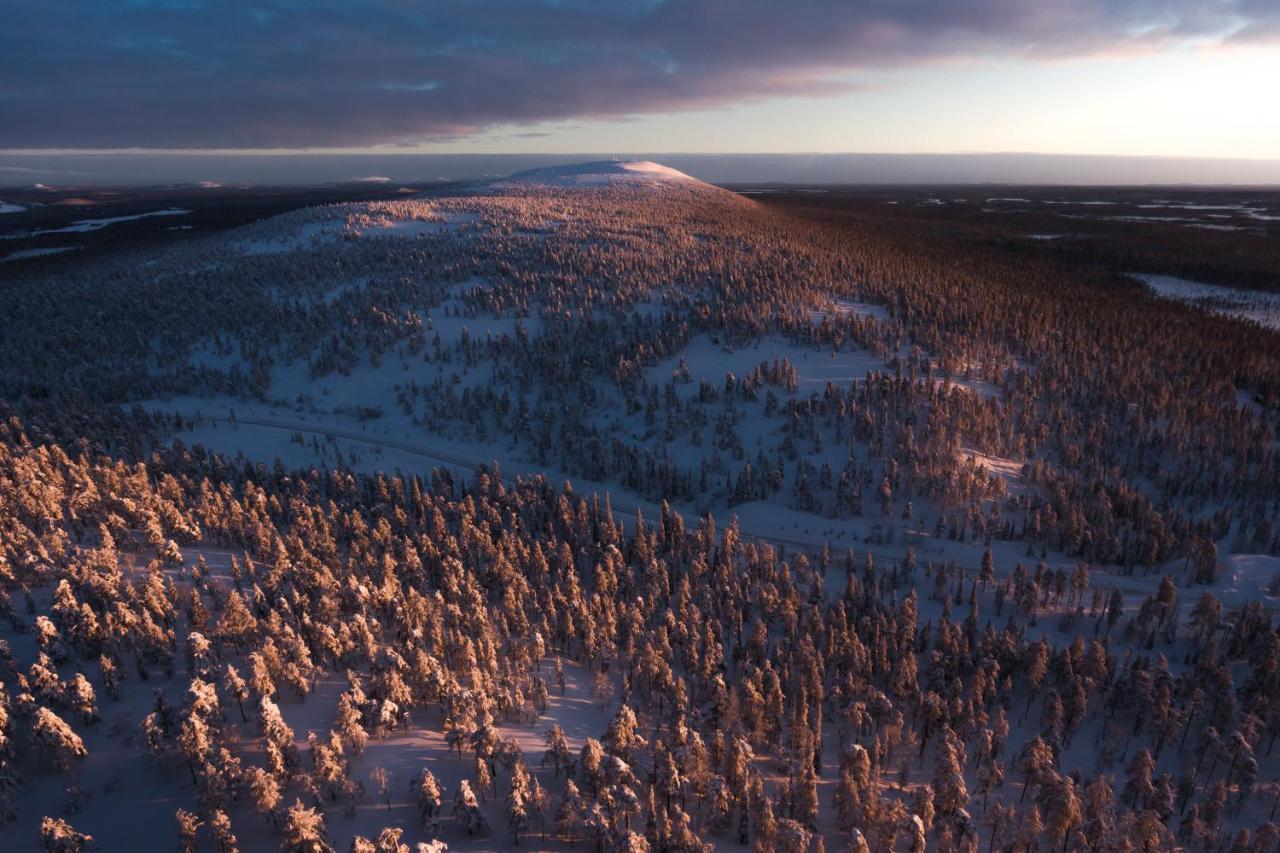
220 828
58 836
466 808
56 740
188 826
427 794
568 817
304 831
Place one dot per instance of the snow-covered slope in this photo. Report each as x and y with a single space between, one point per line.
602 173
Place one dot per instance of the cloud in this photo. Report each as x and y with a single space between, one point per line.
333 73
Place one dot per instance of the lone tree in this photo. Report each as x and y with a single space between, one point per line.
558 754
382 779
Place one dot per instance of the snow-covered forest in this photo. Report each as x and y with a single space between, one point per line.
604 509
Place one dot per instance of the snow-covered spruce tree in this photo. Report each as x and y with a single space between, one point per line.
557 754
568 818
622 738
56 740
220 828
264 792
201 660
193 743
949 792
304 831
81 698
382 780
427 795
519 805
466 809
388 841
482 778
277 734
188 826
110 674
235 688
328 770
236 625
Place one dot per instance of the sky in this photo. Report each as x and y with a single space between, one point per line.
1149 78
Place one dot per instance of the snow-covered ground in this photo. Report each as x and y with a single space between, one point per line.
316 421
845 308
325 227
1257 306
1260 214
36 253
309 235
1249 577
416 227
84 225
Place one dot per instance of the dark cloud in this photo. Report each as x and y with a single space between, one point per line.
324 73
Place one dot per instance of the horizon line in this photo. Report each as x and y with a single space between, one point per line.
382 152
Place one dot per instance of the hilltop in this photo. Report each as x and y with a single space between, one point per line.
602 173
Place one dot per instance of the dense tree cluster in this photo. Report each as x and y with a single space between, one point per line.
752 695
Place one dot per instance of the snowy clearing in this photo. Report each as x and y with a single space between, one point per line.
36 253
81 226
1255 306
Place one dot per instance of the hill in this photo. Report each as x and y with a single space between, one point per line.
606 505
601 173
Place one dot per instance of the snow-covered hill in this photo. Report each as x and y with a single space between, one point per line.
602 173
830 525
